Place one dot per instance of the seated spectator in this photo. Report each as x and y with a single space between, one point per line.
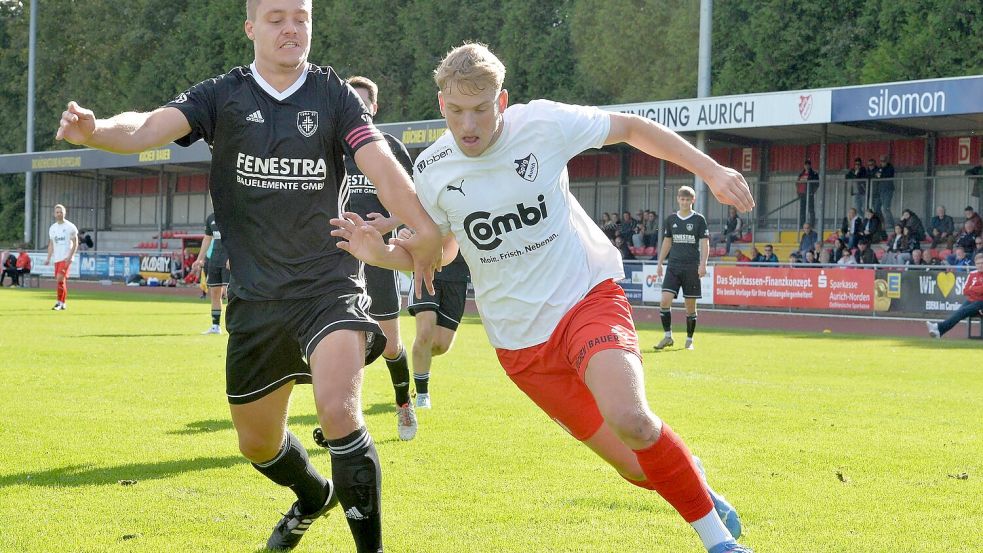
914 224
895 245
810 258
9 268
626 228
85 241
808 239
857 177
741 258
826 257
960 258
975 218
917 259
767 257
865 255
842 243
852 228
847 258
873 230
967 238
973 290
794 259
733 230
623 248
650 230
979 245
943 228
24 263
610 225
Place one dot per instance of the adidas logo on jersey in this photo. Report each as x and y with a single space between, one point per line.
255 117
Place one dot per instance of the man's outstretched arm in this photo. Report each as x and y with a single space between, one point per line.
126 133
659 141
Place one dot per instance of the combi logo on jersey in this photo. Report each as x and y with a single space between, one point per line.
307 123
484 231
527 167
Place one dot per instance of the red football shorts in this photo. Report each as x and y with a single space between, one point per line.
552 373
61 268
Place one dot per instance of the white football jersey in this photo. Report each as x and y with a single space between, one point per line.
60 235
532 250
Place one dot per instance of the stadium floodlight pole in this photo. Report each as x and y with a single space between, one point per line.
29 176
702 91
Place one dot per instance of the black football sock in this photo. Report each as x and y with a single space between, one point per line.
399 372
666 316
292 468
358 481
690 325
422 382
216 316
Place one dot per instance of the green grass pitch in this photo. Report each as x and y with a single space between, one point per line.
116 437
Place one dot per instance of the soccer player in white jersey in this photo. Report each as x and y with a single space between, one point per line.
63 241
544 274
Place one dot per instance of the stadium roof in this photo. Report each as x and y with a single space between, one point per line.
853 113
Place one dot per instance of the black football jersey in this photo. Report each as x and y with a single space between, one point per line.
277 176
362 196
218 256
686 235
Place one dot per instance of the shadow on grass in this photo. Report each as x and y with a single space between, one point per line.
152 335
88 475
207 426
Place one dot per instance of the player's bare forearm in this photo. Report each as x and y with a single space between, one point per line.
704 252
365 242
126 133
659 141
664 252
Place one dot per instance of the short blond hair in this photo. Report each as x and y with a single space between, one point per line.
686 191
62 208
472 67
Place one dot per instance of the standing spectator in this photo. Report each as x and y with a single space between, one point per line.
24 264
873 227
865 255
808 239
857 177
884 190
913 223
974 217
973 290
805 188
967 238
852 228
85 241
976 177
942 227
650 229
733 229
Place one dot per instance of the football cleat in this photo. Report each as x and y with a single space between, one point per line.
665 343
729 547
59 306
406 421
933 329
214 329
287 533
689 344
423 401
727 513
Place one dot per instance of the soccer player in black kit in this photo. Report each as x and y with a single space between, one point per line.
212 257
382 285
686 241
277 129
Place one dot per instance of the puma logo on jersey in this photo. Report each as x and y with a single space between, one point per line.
459 188
255 117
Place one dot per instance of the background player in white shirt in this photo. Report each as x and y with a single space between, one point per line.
63 241
543 272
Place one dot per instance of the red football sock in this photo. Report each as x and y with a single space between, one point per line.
669 469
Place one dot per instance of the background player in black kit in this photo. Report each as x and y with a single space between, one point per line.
212 257
382 285
687 243
437 318
277 130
